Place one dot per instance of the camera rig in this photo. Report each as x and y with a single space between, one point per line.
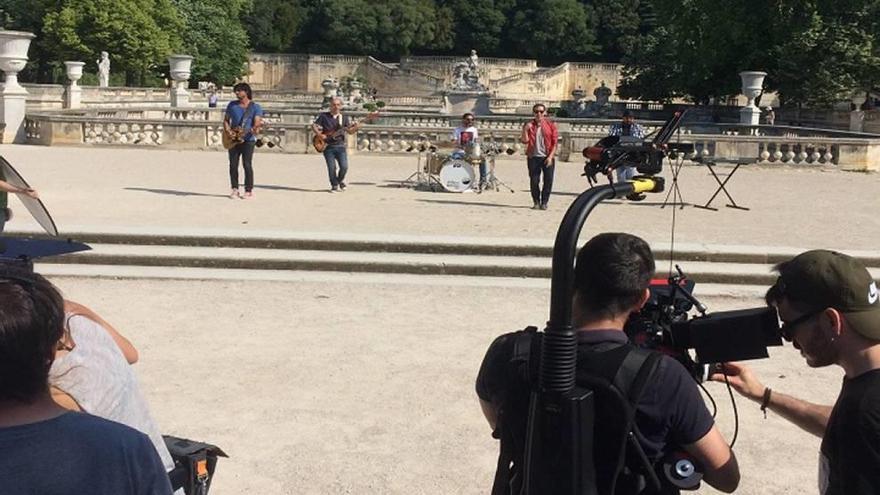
559 435
647 157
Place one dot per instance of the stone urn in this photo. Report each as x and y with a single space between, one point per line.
74 72
857 115
330 86
752 84
13 57
180 70
356 88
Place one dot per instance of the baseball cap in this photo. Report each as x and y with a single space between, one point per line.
828 279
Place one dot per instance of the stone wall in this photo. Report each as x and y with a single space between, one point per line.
424 76
290 132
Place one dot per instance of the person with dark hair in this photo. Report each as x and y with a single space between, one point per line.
829 306
612 275
244 120
628 127
47 449
467 134
540 136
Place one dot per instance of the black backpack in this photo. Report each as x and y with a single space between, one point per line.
617 373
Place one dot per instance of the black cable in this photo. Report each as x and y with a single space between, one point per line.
735 412
711 400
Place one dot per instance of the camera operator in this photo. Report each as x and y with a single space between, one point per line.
612 275
829 307
628 127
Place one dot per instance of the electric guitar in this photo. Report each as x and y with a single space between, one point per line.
320 139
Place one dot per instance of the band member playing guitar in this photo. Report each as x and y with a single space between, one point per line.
330 129
242 123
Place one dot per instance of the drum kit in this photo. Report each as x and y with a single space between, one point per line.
457 171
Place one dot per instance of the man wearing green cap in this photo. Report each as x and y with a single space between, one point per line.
830 310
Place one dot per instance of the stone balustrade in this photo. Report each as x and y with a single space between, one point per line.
290 132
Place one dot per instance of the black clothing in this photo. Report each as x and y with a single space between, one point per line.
851 445
670 411
536 168
244 150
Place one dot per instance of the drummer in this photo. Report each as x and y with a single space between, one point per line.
464 135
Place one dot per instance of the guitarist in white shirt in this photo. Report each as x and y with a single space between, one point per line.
333 125
242 123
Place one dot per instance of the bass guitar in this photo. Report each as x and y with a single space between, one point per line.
321 138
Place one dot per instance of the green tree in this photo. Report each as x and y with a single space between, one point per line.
139 34
618 26
215 37
552 30
479 24
273 25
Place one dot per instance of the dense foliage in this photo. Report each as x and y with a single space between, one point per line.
815 51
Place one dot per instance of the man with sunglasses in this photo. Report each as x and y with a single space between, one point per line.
466 134
540 136
829 307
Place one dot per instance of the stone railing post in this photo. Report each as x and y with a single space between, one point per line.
73 92
180 66
13 57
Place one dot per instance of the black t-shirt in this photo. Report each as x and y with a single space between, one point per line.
670 412
850 460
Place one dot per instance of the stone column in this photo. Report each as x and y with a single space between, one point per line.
752 83
180 71
73 93
857 115
13 97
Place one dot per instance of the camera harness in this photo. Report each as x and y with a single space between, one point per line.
623 377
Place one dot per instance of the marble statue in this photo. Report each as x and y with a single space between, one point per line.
104 70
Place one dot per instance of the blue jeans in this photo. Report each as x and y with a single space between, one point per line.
625 173
244 150
334 155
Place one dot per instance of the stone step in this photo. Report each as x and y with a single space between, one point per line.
380 262
393 243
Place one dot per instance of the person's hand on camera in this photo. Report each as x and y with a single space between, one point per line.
742 379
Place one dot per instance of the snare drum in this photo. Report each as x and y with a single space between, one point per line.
457 176
435 162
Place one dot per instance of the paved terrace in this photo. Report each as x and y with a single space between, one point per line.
360 383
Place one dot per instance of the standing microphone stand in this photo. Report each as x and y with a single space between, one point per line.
559 436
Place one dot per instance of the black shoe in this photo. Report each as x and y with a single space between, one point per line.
636 197
536 206
543 206
342 186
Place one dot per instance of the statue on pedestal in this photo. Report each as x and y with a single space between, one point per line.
465 75
104 70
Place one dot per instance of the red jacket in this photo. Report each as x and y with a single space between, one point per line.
551 136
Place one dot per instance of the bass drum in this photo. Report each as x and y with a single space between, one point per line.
457 176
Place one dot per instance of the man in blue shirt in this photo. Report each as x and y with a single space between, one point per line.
244 120
334 126
46 449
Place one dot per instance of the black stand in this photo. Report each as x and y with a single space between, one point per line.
675 191
722 185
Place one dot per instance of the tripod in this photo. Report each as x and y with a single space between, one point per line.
675 191
492 180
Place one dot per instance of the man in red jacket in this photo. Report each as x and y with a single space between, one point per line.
540 136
